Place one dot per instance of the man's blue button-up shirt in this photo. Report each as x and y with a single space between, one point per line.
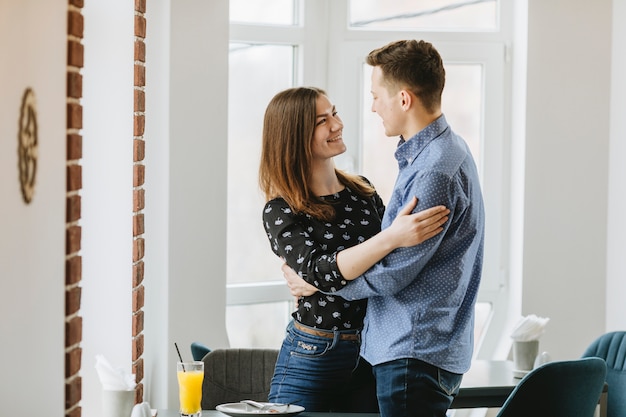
421 299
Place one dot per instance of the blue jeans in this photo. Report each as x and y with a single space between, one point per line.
413 388
316 372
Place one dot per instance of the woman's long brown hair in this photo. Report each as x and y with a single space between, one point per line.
285 168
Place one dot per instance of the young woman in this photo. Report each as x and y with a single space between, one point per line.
325 224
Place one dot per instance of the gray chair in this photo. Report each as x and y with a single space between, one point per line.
612 348
232 375
558 389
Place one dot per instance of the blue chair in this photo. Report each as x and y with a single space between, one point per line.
198 351
612 348
558 389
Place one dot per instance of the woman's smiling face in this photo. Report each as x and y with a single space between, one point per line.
327 137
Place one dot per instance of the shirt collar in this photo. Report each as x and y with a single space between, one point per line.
408 150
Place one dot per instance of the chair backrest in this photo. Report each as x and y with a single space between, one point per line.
612 348
558 389
198 351
232 375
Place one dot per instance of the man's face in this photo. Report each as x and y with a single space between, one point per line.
386 104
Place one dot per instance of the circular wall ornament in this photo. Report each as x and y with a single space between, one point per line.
27 148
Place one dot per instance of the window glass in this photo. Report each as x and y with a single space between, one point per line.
258 325
256 73
272 12
461 104
424 14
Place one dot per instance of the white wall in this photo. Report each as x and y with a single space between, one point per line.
33 39
107 192
157 185
189 207
566 193
616 244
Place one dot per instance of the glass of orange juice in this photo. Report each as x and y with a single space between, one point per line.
190 376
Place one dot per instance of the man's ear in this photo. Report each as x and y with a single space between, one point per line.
406 100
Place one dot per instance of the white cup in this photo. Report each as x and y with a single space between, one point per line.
524 354
117 403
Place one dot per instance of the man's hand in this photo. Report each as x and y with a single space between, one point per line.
297 286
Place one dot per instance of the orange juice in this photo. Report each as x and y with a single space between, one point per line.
190 390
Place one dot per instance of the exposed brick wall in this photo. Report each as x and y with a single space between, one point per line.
73 262
139 98
73 267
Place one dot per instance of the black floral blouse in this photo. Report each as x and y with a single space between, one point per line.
310 247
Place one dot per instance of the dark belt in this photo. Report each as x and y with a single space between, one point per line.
325 333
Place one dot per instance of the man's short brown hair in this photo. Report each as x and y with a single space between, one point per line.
413 65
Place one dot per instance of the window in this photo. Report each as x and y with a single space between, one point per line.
270 12
265 48
324 43
435 15
257 72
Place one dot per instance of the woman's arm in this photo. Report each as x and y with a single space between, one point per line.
406 230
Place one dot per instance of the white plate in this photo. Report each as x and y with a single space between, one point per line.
244 410
519 374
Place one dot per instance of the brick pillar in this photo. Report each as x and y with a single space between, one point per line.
138 195
73 263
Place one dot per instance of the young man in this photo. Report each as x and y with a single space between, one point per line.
418 332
